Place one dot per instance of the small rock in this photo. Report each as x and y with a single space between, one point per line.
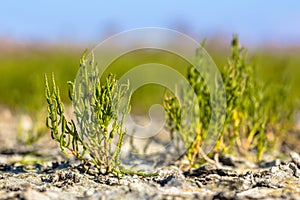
295 158
254 193
203 170
274 169
135 176
273 163
165 180
30 168
89 192
5 167
32 194
233 161
293 167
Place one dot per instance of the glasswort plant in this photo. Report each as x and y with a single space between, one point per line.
98 120
256 111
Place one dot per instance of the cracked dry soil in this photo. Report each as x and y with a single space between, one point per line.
57 177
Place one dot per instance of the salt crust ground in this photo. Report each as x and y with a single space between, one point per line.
60 178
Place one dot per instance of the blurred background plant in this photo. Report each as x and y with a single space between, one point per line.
259 112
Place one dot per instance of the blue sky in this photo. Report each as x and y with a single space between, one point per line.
255 21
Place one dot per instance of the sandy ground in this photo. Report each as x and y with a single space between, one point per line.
42 172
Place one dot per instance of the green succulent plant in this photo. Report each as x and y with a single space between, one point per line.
254 110
98 121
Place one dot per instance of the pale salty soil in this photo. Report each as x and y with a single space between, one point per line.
56 177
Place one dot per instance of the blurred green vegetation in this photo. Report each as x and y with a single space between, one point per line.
22 75
22 72
260 111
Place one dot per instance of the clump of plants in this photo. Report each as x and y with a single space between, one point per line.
190 115
256 112
97 134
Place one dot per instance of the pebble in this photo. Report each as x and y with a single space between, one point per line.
295 158
35 195
293 167
274 169
89 192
